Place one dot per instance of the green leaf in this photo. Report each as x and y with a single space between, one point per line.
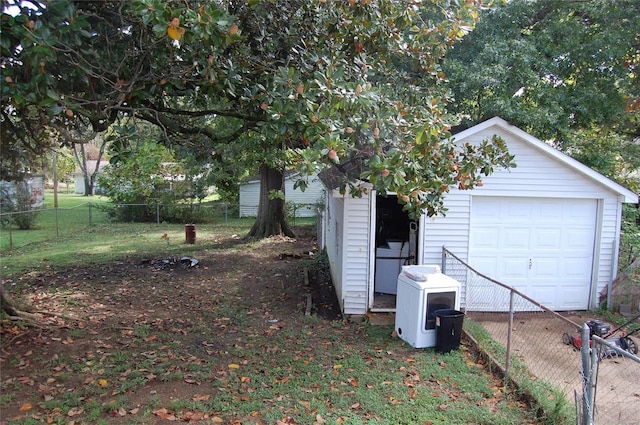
56 109
52 94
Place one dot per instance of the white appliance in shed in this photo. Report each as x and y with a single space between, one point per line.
389 260
422 290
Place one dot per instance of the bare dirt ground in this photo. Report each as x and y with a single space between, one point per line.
96 311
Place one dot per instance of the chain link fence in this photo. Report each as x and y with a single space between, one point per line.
613 396
538 350
52 223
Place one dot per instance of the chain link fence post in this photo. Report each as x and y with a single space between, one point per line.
507 361
10 231
587 376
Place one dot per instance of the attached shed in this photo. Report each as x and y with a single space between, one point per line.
549 227
305 203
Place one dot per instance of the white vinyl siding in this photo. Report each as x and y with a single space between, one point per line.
537 175
542 173
347 243
306 201
355 277
451 230
249 199
333 240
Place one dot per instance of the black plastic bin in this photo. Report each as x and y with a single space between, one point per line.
448 329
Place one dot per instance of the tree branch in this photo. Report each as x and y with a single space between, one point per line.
203 113
172 127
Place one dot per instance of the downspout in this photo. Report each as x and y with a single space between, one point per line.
613 272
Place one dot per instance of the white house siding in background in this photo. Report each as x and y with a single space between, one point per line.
35 184
37 191
78 176
306 201
566 261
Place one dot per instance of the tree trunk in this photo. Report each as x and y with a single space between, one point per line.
272 218
81 159
12 307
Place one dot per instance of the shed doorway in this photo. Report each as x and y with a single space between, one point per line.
396 245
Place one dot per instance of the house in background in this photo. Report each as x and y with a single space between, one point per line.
306 203
550 228
36 187
78 178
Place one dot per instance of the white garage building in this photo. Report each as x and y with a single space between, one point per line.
550 228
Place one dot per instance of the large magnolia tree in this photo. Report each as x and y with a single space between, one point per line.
273 84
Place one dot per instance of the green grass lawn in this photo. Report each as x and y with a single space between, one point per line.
226 341
74 213
323 372
79 231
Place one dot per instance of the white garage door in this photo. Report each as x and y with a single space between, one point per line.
541 246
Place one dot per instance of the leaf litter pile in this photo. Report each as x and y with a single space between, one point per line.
226 339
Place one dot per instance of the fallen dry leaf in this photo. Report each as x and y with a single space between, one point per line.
165 414
319 420
193 416
201 397
119 412
75 411
306 404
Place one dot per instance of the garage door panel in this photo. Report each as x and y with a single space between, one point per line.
486 237
513 269
546 239
576 267
517 211
545 295
484 210
541 246
546 210
578 240
580 213
545 268
487 265
515 238
574 297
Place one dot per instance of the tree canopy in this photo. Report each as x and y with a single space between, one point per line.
282 84
565 71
